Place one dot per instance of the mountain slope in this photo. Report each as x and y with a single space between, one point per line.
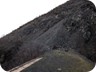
70 26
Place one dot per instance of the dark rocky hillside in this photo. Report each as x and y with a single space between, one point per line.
69 26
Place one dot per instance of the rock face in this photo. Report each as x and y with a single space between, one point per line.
70 26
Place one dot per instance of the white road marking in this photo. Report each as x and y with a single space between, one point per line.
25 65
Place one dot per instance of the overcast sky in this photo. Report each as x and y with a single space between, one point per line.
14 13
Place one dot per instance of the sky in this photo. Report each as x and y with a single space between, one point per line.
15 13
